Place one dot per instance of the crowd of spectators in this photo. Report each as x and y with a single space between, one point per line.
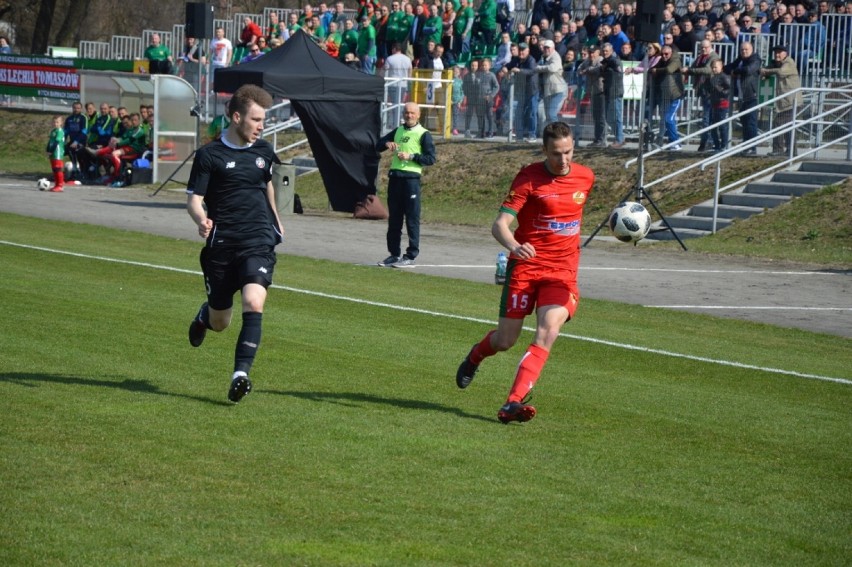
552 59
555 59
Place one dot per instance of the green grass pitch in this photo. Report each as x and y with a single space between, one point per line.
722 443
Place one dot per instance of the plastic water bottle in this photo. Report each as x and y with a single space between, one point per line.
500 274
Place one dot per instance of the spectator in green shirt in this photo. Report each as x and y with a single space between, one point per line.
488 21
367 46
462 28
434 26
348 40
159 57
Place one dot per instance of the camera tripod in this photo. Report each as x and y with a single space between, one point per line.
638 191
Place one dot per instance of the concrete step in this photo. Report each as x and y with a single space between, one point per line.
818 178
770 188
827 166
725 211
683 233
753 200
697 223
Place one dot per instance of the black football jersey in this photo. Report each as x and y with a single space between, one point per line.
233 182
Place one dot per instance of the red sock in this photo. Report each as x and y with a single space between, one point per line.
528 372
116 168
482 350
58 172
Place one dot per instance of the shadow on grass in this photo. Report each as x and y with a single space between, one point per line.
148 204
354 399
136 386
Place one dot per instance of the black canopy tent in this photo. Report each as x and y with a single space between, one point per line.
340 109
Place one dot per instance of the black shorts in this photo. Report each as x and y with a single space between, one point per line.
227 270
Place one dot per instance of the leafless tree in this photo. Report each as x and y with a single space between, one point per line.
39 24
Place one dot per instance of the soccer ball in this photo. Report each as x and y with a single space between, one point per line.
630 221
43 184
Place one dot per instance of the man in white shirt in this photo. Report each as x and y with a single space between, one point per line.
221 50
397 66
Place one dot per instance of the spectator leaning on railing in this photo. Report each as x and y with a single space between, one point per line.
786 81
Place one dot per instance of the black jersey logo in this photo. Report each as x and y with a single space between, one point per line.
260 162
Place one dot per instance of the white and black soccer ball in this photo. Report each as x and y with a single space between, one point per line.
43 184
630 221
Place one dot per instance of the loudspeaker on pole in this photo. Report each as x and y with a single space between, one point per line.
199 20
649 20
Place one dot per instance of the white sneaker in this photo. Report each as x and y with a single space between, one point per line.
389 261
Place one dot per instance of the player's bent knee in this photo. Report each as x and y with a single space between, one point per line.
219 321
502 343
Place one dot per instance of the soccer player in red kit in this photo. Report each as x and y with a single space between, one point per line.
547 200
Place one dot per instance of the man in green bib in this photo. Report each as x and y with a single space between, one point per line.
413 148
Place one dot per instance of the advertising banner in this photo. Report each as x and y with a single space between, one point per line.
55 77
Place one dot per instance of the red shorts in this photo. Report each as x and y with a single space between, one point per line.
528 288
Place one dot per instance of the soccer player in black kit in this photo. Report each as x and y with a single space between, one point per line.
231 199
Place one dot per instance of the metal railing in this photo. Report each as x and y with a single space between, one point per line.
827 115
94 50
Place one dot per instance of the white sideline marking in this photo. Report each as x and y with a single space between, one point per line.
622 269
450 316
754 307
695 271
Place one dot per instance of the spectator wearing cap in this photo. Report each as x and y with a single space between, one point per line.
701 26
366 49
786 81
553 85
705 9
764 22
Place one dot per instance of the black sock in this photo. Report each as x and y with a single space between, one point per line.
204 315
248 341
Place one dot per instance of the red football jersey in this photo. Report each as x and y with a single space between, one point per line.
549 210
